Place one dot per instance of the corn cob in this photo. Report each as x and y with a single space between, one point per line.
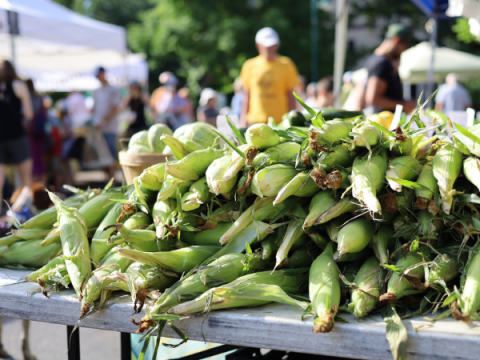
331 133
31 234
367 180
356 256
73 233
9 240
52 237
162 214
354 236
283 151
399 283
369 134
471 169
194 165
179 149
318 239
301 185
170 186
197 195
447 165
198 132
293 235
324 207
444 268
368 282
249 290
215 176
53 263
139 138
427 179
324 289
205 237
154 137
29 254
95 210
333 227
261 136
470 293
382 243
143 240
269 181
468 144
238 162
340 155
139 149
403 167
152 177
302 257
180 260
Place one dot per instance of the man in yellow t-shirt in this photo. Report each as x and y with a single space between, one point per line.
268 81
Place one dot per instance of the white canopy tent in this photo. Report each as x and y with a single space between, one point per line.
415 63
61 47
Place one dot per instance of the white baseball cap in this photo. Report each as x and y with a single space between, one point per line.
267 37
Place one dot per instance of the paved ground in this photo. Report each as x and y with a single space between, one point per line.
49 341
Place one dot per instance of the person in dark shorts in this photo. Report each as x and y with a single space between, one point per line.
384 89
136 102
15 107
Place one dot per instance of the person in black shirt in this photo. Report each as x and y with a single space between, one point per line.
384 88
136 102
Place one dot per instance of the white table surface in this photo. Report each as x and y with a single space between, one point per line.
271 326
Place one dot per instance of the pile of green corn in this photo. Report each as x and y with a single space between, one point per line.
358 217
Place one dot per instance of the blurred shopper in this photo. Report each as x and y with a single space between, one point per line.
452 96
77 109
37 135
268 81
172 108
207 111
61 137
311 93
158 92
107 102
347 87
325 94
237 99
136 102
15 106
185 94
301 91
356 98
384 88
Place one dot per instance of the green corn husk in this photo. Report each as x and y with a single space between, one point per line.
197 195
238 162
152 177
261 136
368 283
29 254
215 176
357 256
402 167
447 165
139 149
354 236
400 147
52 237
369 134
48 217
54 273
142 240
367 180
468 144
154 137
162 214
170 186
383 243
331 133
261 210
427 179
93 287
178 148
200 133
445 267
404 227
293 235
180 260
302 257
324 207
324 289
221 271
470 293
270 180
9 240
340 156
283 151
52 264
31 234
398 285
301 185
138 221
269 246
247 291
471 169
95 210
333 227
205 237
73 233
318 239
140 138
194 165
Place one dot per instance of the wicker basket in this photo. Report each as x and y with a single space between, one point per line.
134 164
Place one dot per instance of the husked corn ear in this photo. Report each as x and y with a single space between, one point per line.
340 155
29 254
367 180
404 168
471 289
447 165
215 176
261 136
180 260
324 289
197 195
427 179
368 281
354 236
270 180
301 185
194 165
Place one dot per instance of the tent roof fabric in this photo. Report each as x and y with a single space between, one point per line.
48 21
433 8
415 62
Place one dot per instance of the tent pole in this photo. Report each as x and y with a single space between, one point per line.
433 45
12 46
340 47
314 38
